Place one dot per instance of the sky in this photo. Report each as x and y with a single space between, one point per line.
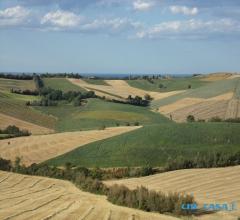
120 36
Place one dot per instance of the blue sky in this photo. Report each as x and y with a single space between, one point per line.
120 36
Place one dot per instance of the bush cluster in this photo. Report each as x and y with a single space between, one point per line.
13 131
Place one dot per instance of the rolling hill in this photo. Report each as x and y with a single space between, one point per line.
209 186
30 197
154 144
98 113
36 149
218 99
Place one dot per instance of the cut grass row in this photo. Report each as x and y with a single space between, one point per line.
153 145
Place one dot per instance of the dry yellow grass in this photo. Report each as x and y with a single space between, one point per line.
120 88
215 185
36 149
33 128
217 76
199 107
30 197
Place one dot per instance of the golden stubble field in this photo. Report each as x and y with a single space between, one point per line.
36 149
39 198
7 120
213 185
120 88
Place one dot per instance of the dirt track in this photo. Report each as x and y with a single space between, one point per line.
36 149
33 128
29 197
215 185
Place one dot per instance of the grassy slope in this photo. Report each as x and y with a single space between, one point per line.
14 104
61 83
154 144
97 113
207 91
170 84
7 84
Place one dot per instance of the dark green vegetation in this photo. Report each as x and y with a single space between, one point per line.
140 198
156 144
167 85
207 91
13 131
61 84
97 113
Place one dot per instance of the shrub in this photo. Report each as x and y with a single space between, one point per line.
136 123
190 118
215 119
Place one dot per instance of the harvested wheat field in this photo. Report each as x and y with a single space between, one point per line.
222 106
214 185
24 125
36 149
31 197
117 89
217 76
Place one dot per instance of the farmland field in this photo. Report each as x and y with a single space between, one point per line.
167 85
218 99
120 88
154 144
62 84
97 113
31 197
36 149
208 186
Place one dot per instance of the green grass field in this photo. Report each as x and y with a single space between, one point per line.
97 113
168 84
153 145
8 84
62 84
207 91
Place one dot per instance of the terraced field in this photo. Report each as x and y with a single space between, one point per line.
23 125
120 89
36 149
215 185
29 197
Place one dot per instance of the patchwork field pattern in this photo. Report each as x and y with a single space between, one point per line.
221 101
214 185
119 89
30 197
36 149
23 125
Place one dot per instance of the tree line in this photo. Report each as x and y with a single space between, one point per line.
191 118
13 131
16 76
